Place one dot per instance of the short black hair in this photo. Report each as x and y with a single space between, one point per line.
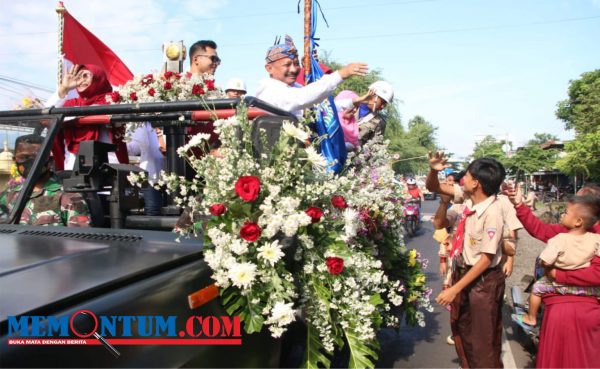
456 175
489 172
29 140
591 208
200 45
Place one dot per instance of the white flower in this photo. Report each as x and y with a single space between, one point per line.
291 130
282 314
315 158
197 139
242 274
239 247
270 252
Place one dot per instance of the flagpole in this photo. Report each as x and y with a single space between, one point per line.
60 10
307 24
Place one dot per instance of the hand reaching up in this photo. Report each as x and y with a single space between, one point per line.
437 161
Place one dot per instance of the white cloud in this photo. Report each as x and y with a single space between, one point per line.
134 30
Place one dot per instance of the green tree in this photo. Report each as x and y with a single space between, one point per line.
531 157
413 146
581 112
489 147
541 138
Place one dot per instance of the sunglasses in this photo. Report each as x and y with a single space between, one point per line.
213 58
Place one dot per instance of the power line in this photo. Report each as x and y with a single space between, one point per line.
450 30
454 30
24 83
370 5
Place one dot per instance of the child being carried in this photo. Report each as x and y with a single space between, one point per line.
572 250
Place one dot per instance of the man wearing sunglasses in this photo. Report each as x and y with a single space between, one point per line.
204 57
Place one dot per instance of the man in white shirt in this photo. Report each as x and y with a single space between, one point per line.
281 89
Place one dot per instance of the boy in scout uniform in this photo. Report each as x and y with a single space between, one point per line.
477 290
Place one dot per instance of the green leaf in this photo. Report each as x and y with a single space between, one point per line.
314 350
362 353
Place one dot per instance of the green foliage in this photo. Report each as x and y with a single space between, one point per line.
412 143
532 157
540 138
582 156
363 354
314 350
415 144
581 112
489 147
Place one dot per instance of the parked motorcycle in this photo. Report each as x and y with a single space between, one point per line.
520 300
412 216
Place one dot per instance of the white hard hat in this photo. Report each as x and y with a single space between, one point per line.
235 84
383 90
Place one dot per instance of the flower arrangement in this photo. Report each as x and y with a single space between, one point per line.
167 86
288 240
30 102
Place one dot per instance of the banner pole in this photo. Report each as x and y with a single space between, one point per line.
307 31
60 10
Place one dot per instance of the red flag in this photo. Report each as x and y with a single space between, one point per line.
80 46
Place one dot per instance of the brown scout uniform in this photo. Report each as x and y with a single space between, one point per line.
476 315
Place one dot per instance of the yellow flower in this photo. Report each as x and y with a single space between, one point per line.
26 102
412 257
420 280
413 297
14 173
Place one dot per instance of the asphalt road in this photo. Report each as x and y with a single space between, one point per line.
416 347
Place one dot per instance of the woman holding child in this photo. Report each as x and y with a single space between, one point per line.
570 330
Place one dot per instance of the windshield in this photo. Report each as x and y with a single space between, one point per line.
22 142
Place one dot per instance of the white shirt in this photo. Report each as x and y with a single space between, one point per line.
144 142
295 98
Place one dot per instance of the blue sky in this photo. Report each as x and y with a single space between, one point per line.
470 67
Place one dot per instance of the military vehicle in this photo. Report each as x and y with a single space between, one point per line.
126 264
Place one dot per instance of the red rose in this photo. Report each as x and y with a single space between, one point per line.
168 74
167 85
335 265
218 209
250 231
248 188
151 92
315 213
147 80
133 96
197 90
339 202
115 96
177 75
210 84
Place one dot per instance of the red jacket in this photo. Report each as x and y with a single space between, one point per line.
589 276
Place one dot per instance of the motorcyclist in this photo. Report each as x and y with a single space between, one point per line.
413 191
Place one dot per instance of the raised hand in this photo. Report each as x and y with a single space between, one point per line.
69 81
354 69
437 161
515 195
